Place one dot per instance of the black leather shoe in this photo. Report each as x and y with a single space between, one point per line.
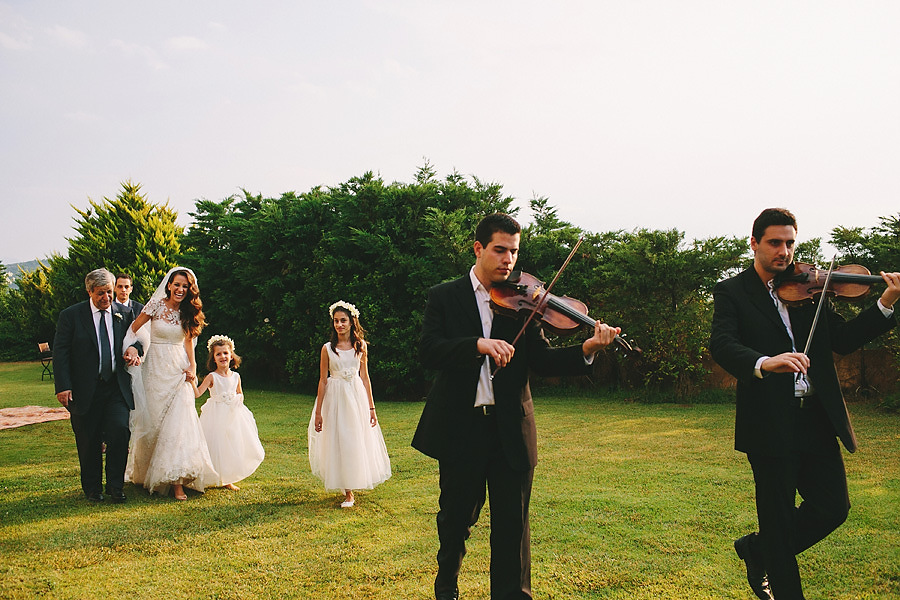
756 572
95 497
446 595
116 496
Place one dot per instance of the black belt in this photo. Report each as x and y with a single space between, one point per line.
485 410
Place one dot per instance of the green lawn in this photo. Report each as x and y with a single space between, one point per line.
631 501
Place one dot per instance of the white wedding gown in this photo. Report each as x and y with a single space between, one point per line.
348 454
230 430
167 442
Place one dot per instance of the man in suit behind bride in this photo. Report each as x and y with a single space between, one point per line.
94 385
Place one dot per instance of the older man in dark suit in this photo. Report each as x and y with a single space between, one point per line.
94 385
790 409
481 429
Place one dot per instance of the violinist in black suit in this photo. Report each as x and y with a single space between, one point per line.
94 385
481 430
790 409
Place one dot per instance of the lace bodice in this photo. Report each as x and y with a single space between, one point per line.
165 324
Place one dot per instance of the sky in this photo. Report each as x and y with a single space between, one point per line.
692 115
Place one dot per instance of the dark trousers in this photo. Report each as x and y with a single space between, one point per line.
106 420
815 470
463 484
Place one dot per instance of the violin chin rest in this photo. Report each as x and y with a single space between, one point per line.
514 276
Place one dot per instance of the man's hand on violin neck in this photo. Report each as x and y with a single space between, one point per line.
500 351
604 335
892 293
789 362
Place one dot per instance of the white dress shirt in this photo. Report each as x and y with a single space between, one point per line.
484 394
95 313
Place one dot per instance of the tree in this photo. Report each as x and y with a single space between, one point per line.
26 315
12 342
877 249
126 234
270 268
659 290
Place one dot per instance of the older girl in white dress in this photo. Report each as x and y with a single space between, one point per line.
229 426
346 447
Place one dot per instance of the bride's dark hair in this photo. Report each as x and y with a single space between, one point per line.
191 308
357 333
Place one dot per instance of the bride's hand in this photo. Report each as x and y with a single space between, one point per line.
132 358
189 375
318 423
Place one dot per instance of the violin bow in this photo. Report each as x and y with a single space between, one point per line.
812 329
819 307
543 297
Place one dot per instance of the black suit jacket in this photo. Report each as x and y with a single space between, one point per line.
76 355
746 325
134 305
450 332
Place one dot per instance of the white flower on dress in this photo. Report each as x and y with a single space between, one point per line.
345 374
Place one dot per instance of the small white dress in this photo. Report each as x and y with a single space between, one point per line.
348 454
230 431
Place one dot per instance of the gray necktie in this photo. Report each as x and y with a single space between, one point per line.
105 354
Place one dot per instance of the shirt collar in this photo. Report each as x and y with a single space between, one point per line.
477 286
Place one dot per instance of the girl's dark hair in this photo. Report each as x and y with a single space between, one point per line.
191 308
211 361
357 333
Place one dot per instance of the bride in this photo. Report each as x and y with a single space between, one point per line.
168 446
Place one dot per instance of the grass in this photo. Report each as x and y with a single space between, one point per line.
631 500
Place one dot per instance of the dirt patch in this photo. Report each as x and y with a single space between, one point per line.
28 415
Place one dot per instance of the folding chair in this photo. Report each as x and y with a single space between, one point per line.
46 360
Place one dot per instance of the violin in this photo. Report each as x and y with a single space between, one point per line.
801 283
521 292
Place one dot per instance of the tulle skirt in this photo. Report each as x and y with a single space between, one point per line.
233 439
348 454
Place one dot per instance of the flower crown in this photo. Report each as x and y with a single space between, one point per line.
346 306
217 339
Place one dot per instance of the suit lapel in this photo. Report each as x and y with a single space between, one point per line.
759 295
87 319
468 306
117 332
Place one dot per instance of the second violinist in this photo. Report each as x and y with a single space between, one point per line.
482 431
790 410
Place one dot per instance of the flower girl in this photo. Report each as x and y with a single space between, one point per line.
346 447
228 425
